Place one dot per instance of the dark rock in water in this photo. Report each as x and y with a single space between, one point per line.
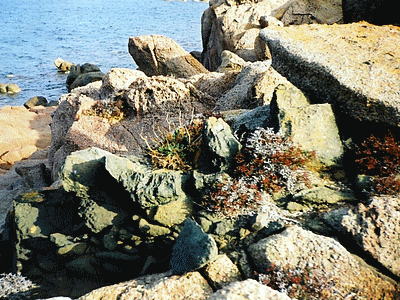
193 249
86 78
36 101
81 75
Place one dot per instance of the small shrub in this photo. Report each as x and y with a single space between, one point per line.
380 157
33 196
15 286
179 149
306 283
113 111
268 163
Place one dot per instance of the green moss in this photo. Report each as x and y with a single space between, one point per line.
33 196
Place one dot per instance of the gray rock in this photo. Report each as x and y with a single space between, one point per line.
191 286
234 26
325 258
9 88
221 272
84 171
250 120
99 216
85 265
374 227
36 101
60 240
159 55
313 128
117 80
324 195
230 62
37 176
248 289
193 249
79 75
241 95
86 78
219 146
307 56
172 213
310 11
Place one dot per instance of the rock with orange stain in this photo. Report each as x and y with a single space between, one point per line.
23 132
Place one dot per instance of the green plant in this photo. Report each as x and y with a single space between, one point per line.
380 157
113 111
300 283
179 149
33 196
268 163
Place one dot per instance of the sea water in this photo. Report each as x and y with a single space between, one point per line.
34 33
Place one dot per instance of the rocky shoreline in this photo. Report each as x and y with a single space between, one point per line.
270 170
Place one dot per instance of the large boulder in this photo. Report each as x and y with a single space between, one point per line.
23 132
235 25
316 58
374 227
328 264
127 121
378 12
158 286
310 11
159 55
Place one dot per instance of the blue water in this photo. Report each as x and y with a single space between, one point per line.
35 32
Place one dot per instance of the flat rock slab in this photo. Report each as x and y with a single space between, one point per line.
23 132
354 66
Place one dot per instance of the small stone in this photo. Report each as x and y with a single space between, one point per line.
222 272
151 229
73 249
36 101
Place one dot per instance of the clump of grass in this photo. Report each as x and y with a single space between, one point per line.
380 157
178 149
33 196
268 163
306 283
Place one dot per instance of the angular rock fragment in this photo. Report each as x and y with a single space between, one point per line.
193 249
159 55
